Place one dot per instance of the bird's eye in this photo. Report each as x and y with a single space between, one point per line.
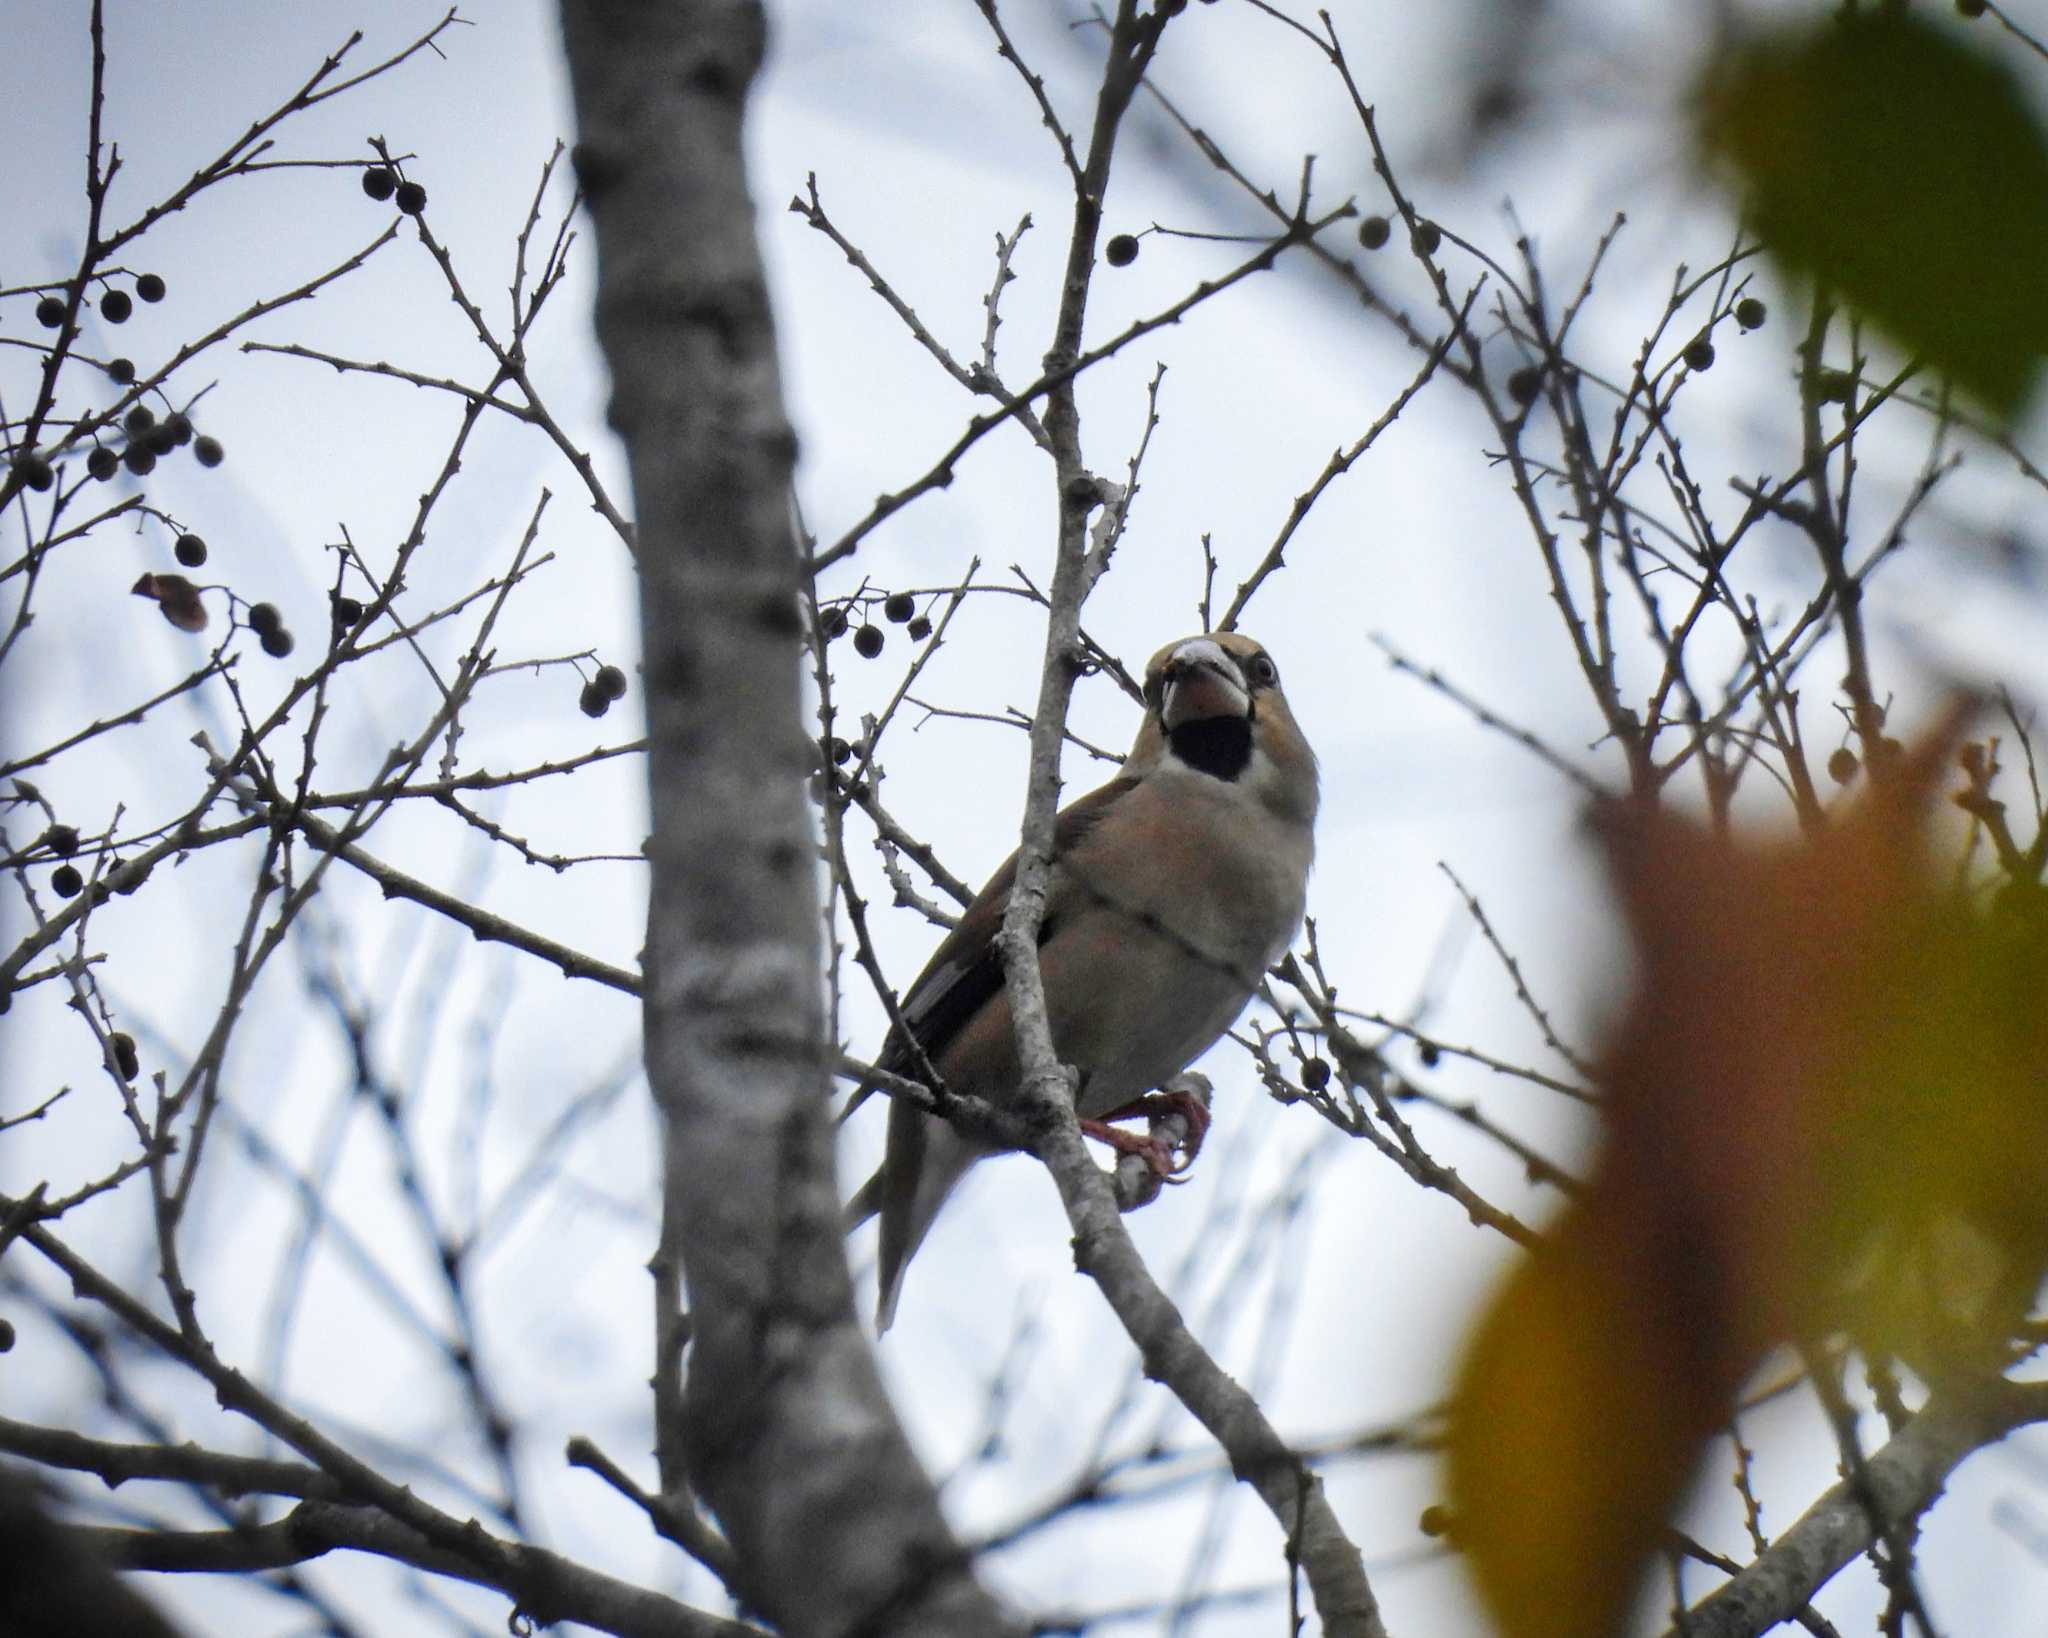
1264 672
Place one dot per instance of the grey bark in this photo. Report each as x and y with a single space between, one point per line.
1905 1478
1316 1541
782 1426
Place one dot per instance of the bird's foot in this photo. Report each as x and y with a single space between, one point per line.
1167 1150
1161 1154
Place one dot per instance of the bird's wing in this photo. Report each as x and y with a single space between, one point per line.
924 1157
966 971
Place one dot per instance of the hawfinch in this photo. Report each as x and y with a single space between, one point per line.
1174 887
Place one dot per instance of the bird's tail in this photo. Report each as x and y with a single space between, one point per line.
926 1157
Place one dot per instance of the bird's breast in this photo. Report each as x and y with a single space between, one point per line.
1149 966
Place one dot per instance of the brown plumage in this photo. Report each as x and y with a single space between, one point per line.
1174 887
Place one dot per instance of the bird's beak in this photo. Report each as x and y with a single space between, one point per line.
1201 681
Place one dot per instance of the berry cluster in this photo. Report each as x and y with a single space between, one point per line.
381 182
144 437
180 603
116 305
898 608
607 685
1425 240
62 843
67 881
1526 383
268 624
147 438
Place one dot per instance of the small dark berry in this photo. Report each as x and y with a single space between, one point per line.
277 642
1426 238
1315 1074
265 617
593 701
611 681
139 419
1435 1520
61 840
412 198
207 451
137 459
1122 250
378 182
919 629
6 1337
1970 8
1428 1053
347 613
125 1060
116 305
1374 232
1842 765
102 463
1699 354
1751 313
36 472
160 440
839 751
122 370
1525 384
1170 8
1833 386
190 550
179 425
66 882
867 641
50 312
1083 490
832 622
899 607
150 287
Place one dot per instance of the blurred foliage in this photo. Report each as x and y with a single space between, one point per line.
1827 1116
1902 166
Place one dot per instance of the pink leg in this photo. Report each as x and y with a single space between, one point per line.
1167 1159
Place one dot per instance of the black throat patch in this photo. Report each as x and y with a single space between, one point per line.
1218 746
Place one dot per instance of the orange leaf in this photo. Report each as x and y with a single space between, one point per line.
1827 1111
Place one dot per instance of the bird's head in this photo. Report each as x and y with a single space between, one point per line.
1214 705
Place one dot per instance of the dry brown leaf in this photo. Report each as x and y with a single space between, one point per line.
177 597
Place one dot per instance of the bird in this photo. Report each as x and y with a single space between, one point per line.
1173 888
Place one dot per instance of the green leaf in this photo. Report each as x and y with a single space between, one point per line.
1906 171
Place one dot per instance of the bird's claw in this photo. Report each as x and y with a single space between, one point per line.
1168 1158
